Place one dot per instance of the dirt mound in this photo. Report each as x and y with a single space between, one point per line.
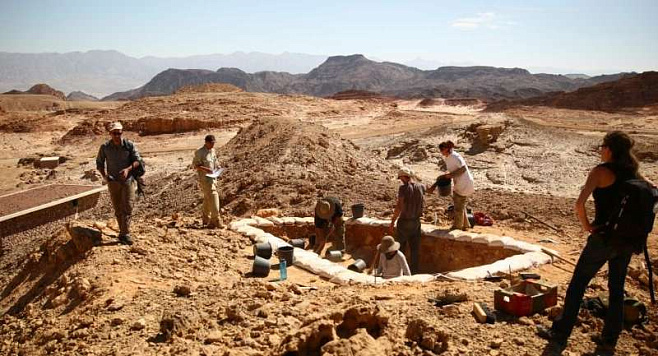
359 95
636 91
290 164
209 88
45 89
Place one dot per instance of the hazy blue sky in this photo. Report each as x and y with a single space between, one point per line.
589 36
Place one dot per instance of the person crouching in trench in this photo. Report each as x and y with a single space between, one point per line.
329 225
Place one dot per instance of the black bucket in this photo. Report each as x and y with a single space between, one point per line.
286 253
299 243
263 249
357 210
445 186
358 266
261 267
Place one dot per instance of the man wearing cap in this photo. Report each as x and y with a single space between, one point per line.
121 157
409 208
329 224
391 262
205 162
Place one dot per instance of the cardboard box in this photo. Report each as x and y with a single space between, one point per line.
526 298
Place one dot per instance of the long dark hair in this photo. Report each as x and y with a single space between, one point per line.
620 145
446 144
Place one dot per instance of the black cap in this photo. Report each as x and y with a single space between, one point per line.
210 138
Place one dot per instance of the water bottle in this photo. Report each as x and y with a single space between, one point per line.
283 273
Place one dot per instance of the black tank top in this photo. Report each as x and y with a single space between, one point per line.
606 199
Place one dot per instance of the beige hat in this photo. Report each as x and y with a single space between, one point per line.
115 126
388 245
404 172
324 209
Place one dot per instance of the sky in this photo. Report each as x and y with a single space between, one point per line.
591 37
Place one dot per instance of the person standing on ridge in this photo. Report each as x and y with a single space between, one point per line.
457 171
121 157
205 163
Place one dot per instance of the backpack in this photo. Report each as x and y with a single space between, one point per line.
633 217
138 172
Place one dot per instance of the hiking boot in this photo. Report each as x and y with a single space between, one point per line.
604 344
125 240
552 336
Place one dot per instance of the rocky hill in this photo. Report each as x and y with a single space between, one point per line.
80 96
40 89
634 91
356 72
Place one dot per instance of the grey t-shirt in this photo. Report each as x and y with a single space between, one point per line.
412 196
117 157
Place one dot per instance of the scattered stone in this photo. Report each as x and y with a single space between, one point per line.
116 321
524 320
496 343
182 290
139 324
518 341
214 336
428 336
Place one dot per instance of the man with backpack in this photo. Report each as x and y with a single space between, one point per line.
122 160
624 215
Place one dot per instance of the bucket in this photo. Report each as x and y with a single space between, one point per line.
334 256
358 266
445 186
299 243
263 249
261 267
357 210
286 253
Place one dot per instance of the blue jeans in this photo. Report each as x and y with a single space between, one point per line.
594 255
408 232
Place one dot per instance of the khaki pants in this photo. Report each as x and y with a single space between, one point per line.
461 218
210 201
122 195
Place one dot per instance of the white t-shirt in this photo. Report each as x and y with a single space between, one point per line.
395 267
463 183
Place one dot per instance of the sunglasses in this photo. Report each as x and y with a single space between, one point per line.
116 133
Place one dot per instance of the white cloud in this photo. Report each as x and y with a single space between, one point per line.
483 19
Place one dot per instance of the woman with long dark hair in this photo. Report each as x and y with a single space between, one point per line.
618 164
463 183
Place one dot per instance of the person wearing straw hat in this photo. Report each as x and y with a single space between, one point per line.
121 158
329 225
407 212
205 163
391 262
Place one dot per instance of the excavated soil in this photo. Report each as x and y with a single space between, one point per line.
184 290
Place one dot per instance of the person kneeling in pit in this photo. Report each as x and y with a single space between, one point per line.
329 225
391 262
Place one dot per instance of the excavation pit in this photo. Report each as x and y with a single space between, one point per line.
443 254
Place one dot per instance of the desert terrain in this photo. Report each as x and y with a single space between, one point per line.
185 290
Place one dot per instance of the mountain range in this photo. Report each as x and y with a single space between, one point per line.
356 72
100 73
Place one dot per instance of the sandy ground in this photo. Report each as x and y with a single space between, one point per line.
61 296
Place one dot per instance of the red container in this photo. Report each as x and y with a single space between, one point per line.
525 298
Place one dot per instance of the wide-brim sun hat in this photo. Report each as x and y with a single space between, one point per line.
324 209
388 245
404 172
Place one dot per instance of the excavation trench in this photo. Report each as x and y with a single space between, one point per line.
455 254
